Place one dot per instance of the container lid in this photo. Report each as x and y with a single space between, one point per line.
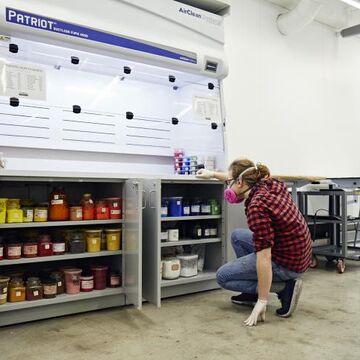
188 257
112 230
76 207
93 231
112 199
4 278
175 198
86 277
99 267
72 270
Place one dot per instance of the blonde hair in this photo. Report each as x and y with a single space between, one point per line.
253 175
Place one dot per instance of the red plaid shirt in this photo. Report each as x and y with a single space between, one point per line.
276 222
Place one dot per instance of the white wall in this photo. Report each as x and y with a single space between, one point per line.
291 102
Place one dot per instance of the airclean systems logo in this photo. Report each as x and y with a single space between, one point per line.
203 17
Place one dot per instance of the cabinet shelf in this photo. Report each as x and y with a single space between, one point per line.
202 276
39 259
184 218
60 299
60 223
190 242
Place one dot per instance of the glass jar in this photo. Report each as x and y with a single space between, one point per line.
186 207
93 240
76 213
34 289
164 207
13 204
13 250
58 246
30 248
197 231
41 213
49 289
102 211
57 276
45 246
195 207
58 205
113 239
76 243
115 207
205 207
28 214
215 207
14 216
16 290
88 207
86 283
114 279
4 281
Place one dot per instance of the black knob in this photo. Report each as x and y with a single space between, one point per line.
13 48
214 126
172 78
129 115
14 101
75 60
76 109
127 70
211 86
174 121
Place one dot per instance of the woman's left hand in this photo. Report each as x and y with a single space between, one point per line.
257 313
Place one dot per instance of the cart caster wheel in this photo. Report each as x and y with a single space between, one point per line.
314 262
329 258
340 266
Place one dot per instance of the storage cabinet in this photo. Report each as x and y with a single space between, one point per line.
127 260
154 287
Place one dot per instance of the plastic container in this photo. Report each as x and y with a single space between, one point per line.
45 245
34 289
195 208
58 277
102 211
100 274
41 213
4 281
173 234
188 265
14 216
205 207
76 213
13 250
88 207
215 207
175 206
114 280
170 268
164 207
58 205
3 202
93 240
59 247
30 248
17 291
115 207
13 204
113 237
186 208
72 280
76 243
28 214
49 289
86 283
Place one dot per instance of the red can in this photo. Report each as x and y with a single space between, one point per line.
100 274
45 246
115 207
86 283
102 211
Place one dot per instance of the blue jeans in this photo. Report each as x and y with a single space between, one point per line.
240 275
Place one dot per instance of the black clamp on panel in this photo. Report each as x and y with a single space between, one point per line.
129 115
172 78
76 109
127 70
75 60
214 126
211 86
174 121
14 101
13 48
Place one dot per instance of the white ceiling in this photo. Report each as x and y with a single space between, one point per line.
334 13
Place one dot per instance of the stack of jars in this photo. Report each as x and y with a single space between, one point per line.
184 165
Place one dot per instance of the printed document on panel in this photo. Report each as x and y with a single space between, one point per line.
207 108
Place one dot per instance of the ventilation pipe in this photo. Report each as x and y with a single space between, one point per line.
298 18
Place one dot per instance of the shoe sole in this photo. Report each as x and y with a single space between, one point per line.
247 303
295 298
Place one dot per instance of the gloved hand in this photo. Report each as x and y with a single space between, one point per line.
258 311
205 174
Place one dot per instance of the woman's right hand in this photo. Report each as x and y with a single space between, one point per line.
205 174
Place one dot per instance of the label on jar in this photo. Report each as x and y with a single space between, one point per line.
36 292
195 208
30 249
87 284
115 212
1 251
47 246
213 232
5 290
28 215
3 296
94 241
173 234
114 280
164 211
186 210
57 202
207 232
56 197
113 237
17 293
103 210
40 214
49 289
59 247
75 279
59 284
78 213
206 209
175 267
14 251
199 232
164 235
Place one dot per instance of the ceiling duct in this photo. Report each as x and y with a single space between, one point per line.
297 19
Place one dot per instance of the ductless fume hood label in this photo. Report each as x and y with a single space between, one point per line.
21 80
207 108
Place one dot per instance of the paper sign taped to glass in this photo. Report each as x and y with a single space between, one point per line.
22 80
207 108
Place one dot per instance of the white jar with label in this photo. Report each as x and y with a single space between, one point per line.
170 268
173 235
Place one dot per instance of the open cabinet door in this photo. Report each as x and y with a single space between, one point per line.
151 242
132 243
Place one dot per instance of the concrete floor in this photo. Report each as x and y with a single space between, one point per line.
204 326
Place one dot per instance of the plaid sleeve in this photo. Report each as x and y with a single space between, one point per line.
260 224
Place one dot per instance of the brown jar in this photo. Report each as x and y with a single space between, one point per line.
58 205
16 290
49 289
34 289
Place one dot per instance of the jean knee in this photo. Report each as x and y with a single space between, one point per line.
220 276
239 235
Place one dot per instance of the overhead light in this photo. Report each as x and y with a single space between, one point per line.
354 3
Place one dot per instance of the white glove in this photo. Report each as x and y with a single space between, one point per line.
258 311
205 174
